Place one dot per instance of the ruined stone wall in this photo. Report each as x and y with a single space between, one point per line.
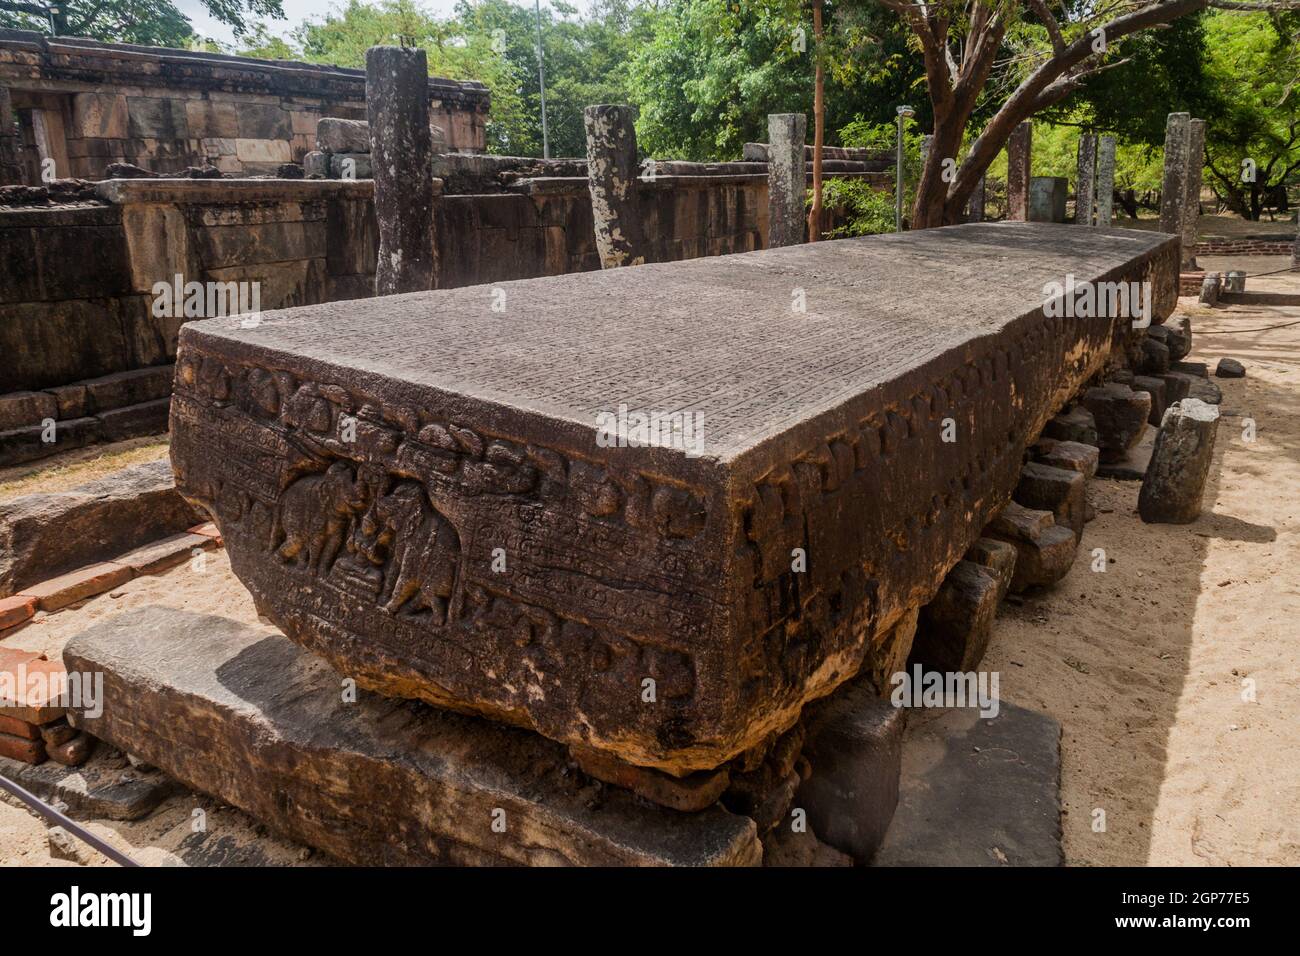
86 105
86 344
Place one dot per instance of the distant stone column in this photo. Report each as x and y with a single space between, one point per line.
787 178
1085 183
11 169
1105 181
1295 250
1018 150
1192 190
611 177
401 152
1174 184
975 206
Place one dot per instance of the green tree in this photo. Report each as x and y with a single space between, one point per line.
453 50
1251 68
146 22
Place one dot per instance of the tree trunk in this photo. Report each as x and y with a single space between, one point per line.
819 126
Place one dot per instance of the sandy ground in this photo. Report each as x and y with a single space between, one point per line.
79 467
1145 665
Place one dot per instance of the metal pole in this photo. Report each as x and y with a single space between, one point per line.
541 82
60 819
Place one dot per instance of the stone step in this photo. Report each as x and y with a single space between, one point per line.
248 717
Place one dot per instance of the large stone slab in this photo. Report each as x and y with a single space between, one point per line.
248 717
977 791
420 488
44 535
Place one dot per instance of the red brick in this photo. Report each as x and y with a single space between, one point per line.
33 701
11 657
158 556
15 610
19 728
20 748
78 585
210 530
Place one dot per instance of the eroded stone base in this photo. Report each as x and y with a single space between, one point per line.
254 720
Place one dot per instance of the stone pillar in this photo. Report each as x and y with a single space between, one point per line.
612 178
1180 462
397 105
1192 190
1295 250
1085 183
787 179
1173 186
1105 181
975 207
1018 150
11 167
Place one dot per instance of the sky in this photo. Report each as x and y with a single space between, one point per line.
296 11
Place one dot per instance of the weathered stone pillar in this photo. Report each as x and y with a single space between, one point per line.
975 206
1085 183
787 178
401 150
1105 181
11 169
1173 186
1295 250
611 176
1018 149
1175 479
1192 190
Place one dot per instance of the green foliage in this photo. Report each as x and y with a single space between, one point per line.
867 210
711 71
146 22
1252 68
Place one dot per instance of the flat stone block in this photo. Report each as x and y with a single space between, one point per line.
1071 455
1133 466
24 409
1075 425
1044 550
48 534
147 418
954 629
101 788
493 538
854 747
1155 387
78 585
1061 491
167 553
977 791
32 689
1121 415
261 724
343 135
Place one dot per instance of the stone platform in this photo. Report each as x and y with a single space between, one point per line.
418 487
262 724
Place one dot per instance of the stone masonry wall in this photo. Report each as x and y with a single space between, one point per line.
86 344
86 104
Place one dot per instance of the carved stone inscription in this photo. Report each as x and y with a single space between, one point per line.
413 487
